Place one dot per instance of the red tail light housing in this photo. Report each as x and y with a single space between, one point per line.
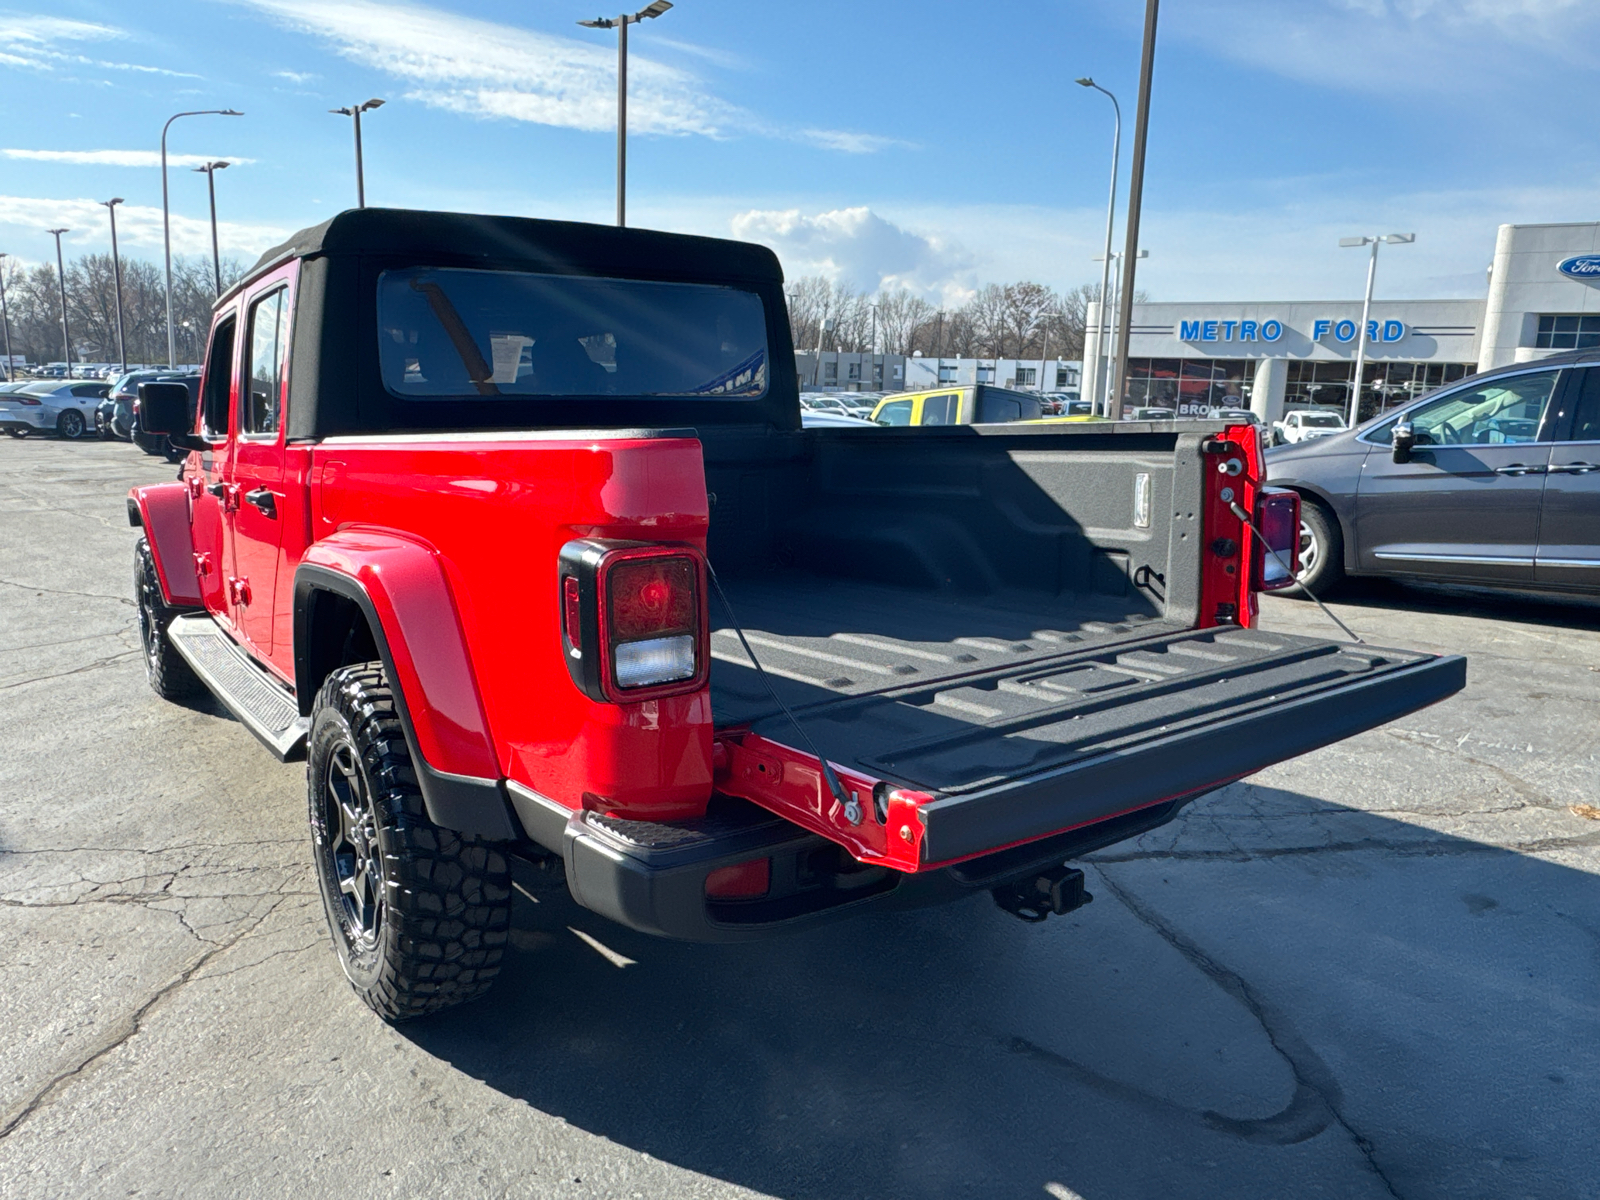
1278 519
634 624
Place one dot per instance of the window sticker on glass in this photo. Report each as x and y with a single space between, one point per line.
448 332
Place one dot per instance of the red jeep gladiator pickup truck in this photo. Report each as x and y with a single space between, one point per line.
511 528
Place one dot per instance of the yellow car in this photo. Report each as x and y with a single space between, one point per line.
974 404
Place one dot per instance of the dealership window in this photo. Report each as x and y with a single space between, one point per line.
855 370
1190 386
1384 385
1062 376
830 371
1567 332
1027 376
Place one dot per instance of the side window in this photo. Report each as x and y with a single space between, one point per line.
218 380
895 412
999 409
1493 413
939 410
262 401
1583 394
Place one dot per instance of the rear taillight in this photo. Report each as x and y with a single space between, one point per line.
1278 519
30 401
633 619
653 606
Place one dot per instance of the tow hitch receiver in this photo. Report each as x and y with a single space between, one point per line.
1058 891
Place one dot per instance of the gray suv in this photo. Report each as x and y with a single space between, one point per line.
1494 480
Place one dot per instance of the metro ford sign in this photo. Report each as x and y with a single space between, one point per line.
1270 331
1580 266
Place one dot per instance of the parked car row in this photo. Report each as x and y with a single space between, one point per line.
73 408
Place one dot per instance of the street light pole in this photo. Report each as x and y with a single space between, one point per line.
1141 127
620 24
1115 336
5 320
209 170
1103 344
166 218
61 281
116 272
1394 239
354 112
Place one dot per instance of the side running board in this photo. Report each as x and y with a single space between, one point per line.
263 705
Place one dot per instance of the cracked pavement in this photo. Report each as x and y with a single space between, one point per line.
1372 971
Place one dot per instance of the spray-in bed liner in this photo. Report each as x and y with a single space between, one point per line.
957 696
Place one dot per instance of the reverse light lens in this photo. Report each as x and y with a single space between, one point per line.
655 661
742 881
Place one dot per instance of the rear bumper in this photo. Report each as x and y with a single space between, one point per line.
651 877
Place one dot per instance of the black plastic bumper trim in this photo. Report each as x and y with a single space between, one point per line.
1187 763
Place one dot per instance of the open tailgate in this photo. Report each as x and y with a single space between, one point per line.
972 763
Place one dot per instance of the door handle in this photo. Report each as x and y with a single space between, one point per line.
218 489
1519 469
1573 468
264 500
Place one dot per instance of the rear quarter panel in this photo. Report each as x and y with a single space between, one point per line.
495 511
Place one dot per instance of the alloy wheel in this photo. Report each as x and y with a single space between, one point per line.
352 830
1310 551
71 425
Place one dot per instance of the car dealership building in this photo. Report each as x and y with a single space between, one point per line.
1543 296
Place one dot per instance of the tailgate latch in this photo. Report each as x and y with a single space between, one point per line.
1057 891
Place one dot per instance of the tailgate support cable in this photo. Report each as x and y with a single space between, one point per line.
846 801
1245 517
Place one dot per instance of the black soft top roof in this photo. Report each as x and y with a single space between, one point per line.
335 383
561 246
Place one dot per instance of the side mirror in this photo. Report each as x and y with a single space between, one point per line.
1405 441
164 409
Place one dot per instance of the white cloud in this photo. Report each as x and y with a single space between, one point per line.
846 142
1451 46
137 225
32 42
858 247
121 158
296 76
481 68
485 69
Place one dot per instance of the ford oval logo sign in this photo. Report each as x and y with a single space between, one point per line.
1580 266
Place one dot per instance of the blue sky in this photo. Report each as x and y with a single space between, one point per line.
939 145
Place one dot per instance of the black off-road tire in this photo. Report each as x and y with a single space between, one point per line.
1320 532
169 675
424 924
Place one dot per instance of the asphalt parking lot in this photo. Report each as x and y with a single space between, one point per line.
1374 971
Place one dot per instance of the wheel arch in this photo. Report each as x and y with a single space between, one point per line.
378 589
